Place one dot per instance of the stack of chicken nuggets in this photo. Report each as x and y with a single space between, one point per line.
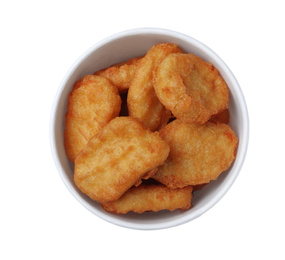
145 133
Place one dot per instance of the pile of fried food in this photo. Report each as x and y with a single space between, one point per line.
146 133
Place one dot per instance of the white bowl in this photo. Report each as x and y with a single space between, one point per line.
123 46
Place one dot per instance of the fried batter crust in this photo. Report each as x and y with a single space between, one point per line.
151 198
198 153
192 89
120 74
117 158
142 101
92 103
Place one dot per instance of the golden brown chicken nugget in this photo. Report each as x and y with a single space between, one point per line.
190 88
198 153
120 74
142 101
117 158
92 103
151 198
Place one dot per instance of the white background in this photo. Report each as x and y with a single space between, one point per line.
40 219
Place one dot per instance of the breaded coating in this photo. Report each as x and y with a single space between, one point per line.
117 158
142 101
120 74
151 198
190 88
92 103
198 153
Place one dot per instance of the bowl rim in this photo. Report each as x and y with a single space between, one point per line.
243 145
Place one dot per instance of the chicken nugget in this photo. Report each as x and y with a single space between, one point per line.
198 153
117 158
190 88
151 198
120 74
92 103
142 101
